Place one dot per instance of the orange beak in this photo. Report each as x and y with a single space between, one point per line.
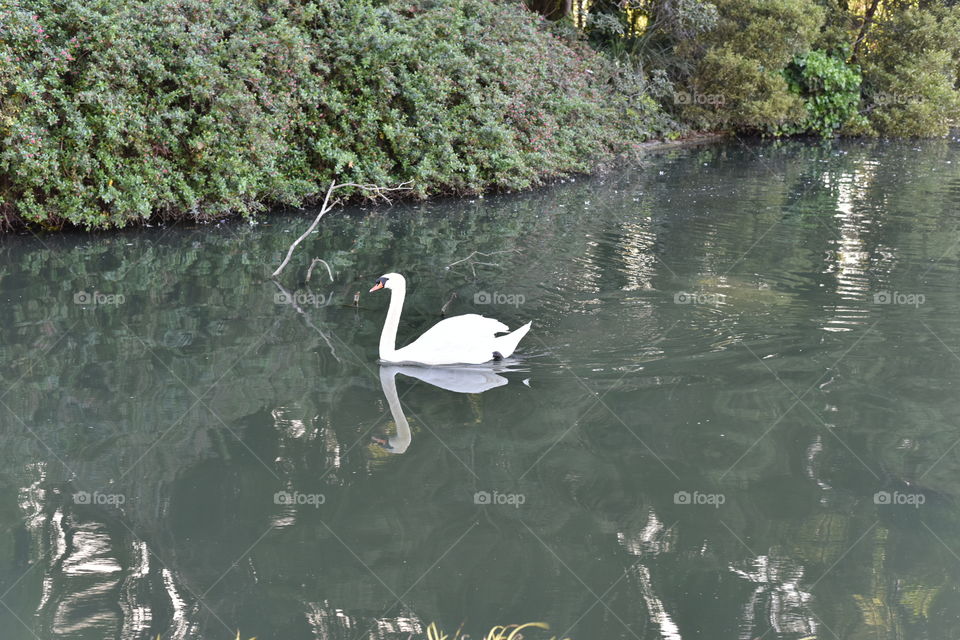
377 286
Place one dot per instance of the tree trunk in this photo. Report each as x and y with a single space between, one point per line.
867 21
550 9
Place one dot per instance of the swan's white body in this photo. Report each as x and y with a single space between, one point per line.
466 339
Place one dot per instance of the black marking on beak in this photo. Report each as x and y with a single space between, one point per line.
381 282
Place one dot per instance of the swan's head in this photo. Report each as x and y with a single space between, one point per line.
389 281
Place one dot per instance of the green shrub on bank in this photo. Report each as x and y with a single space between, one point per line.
738 82
112 112
783 67
910 66
830 89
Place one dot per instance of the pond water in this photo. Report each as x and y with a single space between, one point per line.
736 415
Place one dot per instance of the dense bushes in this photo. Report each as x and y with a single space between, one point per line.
830 89
763 61
910 68
112 112
776 67
738 82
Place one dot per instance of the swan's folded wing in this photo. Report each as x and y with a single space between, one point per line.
457 333
470 325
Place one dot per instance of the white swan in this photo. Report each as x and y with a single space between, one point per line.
466 339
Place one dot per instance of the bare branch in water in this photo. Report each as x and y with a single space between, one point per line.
323 210
376 191
473 263
373 191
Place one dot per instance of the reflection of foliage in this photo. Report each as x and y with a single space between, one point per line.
507 632
768 235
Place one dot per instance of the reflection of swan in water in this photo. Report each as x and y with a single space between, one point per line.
457 379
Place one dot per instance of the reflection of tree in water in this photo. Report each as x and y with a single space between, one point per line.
198 498
778 597
130 431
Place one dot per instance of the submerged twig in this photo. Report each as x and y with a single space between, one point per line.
314 263
443 309
298 309
473 263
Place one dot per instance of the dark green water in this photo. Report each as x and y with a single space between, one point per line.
737 414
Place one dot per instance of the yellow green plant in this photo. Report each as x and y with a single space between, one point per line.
500 632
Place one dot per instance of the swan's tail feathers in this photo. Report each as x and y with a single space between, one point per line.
507 344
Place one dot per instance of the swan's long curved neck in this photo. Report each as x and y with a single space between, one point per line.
388 383
388 337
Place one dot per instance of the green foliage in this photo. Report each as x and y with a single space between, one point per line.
113 112
500 632
910 65
647 29
737 82
830 89
785 66
839 28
